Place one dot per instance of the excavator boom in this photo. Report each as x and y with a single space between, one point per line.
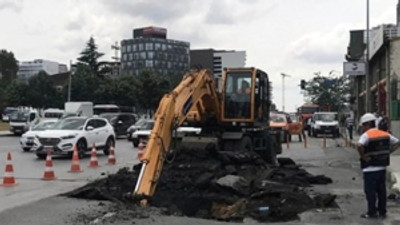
191 99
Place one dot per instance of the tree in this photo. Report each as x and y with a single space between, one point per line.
149 88
90 56
8 66
42 92
329 92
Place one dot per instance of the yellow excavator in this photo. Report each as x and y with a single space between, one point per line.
234 117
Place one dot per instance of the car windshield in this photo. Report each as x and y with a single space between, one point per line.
148 125
19 117
326 117
43 125
294 118
109 116
277 118
69 124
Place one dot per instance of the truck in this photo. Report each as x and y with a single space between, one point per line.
78 109
228 122
306 111
21 120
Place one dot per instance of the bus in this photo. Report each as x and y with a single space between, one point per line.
105 108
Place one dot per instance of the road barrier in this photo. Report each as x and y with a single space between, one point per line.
49 172
141 148
111 157
93 158
75 166
8 179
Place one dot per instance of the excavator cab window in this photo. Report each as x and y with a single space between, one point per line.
238 95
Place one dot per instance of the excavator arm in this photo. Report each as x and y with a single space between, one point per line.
192 99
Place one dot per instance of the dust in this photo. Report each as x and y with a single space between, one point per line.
219 185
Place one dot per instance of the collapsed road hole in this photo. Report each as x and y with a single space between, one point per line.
210 184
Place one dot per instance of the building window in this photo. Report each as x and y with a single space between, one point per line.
150 55
123 57
164 47
149 63
157 46
134 47
130 57
128 48
143 55
123 49
141 47
149 46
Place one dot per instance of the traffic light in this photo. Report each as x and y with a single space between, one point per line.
303 84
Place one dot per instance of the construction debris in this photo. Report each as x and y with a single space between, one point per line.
228 186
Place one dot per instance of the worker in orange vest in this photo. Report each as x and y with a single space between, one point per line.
374 147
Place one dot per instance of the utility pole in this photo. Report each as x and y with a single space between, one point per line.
283 90
69 80
367 78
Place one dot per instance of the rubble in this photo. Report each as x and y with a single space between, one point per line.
228 186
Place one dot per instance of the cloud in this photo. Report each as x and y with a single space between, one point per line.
14 5
151 10
320 47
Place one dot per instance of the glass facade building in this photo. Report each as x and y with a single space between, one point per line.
150 49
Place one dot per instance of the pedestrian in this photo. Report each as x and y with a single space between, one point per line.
349 126
374 147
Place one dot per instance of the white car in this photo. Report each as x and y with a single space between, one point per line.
27 140
81 132
144 134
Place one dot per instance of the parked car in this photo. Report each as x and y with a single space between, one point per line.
27 140
145 131
120 121
142 132
279 122
79 132
135 127
325 123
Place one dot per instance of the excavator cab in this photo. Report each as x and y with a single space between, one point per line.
245 95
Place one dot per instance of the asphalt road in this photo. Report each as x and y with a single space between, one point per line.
29 170
331 159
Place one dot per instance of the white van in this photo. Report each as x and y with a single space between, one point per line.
325 123
52 113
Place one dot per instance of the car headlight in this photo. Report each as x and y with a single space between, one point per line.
68 136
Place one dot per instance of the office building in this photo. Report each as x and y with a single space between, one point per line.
149 49
28 69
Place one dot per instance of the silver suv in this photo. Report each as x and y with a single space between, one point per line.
325 123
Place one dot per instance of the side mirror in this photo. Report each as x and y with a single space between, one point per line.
89 128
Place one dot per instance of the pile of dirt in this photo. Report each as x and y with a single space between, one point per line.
210 184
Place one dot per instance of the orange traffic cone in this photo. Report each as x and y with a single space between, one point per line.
48 172
141 149
8 179
93 158
75 166
111 157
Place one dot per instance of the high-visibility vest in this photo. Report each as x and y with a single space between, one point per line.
378 148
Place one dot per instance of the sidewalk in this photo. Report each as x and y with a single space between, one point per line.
5 132
393 170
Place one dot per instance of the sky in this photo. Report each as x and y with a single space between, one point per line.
295 37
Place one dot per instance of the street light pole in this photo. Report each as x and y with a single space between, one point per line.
69 81
283 90
367 78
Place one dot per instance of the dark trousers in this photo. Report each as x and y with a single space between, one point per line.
375 186
350 129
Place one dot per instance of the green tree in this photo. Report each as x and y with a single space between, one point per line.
330 92
90 57
17 94
42 92
8 66
149 88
